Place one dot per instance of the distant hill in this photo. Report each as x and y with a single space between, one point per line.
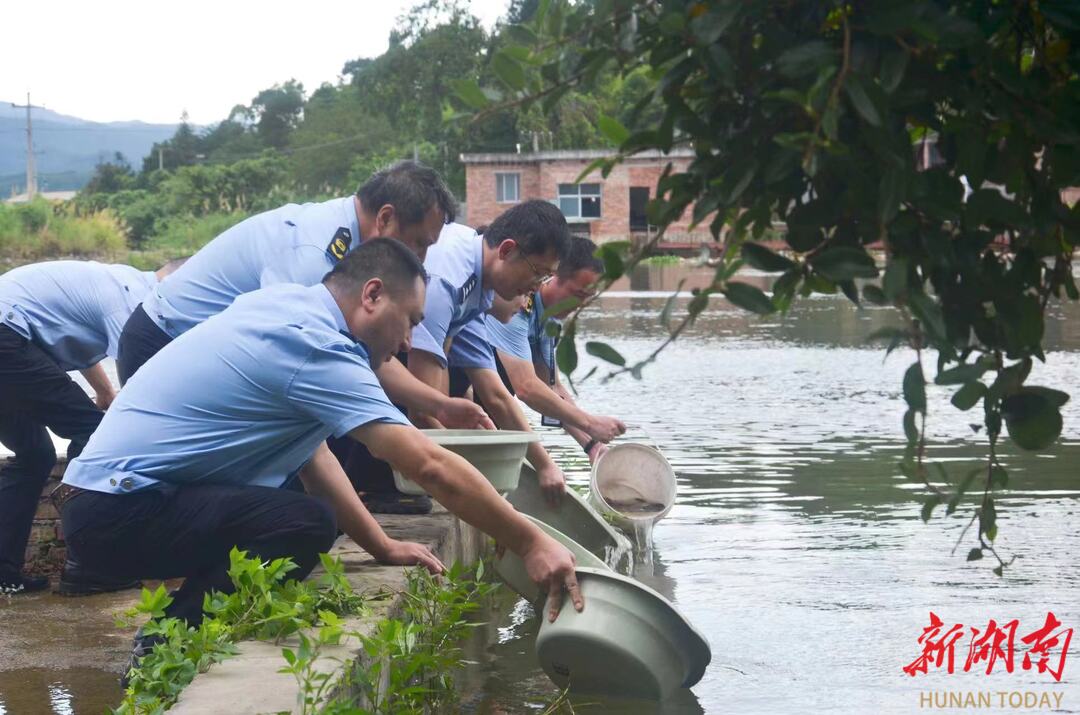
68 148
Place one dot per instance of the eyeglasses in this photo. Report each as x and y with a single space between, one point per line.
540 275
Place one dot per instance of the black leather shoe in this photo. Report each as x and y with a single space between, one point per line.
22 583
75 581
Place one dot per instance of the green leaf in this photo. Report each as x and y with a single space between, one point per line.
805 59
1056 397
764 259
890 194
613 262
974 555
748 297
999 478
613 130
998 570
508 70
844 263
894 282
872 294
708 28
911 431
859 94
915 388
558 310
988 519
605 352
1032 419
566 354
954 500
962 373
968 396
669 305
928 506
893 66
469 92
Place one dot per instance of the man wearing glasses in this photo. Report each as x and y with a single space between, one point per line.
517 252
525 351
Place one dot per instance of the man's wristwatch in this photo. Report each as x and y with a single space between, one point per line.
589 445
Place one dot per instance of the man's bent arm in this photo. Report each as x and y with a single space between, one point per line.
100 384
534 393
426 369
323 477
466 493
507 414
426 400
451 480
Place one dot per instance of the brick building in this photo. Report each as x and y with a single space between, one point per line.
602 209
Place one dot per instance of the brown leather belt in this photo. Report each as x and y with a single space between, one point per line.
63 494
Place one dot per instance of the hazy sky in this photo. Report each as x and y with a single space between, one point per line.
150 60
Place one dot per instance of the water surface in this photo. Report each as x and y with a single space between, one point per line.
795 545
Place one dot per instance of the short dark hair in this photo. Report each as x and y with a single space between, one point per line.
411 188
384 258
580 256
537 227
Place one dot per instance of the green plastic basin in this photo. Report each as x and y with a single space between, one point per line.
497 454
511 569
628 642
574 518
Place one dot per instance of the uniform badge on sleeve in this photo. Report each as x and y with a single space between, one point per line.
339 244
467 289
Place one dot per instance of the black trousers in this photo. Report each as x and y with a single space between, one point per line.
35 394
188 531
140 340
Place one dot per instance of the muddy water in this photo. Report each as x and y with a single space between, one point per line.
62 655
795 545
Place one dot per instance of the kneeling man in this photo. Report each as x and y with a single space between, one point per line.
190 459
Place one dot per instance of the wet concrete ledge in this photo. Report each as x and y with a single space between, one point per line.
250 683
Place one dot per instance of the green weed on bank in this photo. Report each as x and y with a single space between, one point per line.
265 605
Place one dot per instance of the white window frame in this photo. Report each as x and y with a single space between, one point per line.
501 178
574 193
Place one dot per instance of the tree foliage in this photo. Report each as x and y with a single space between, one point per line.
824 116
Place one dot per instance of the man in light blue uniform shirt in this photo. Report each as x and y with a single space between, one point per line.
525 352
299 244
55 317
179 471
516 252
291 244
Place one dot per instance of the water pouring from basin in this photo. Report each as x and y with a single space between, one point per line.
634 486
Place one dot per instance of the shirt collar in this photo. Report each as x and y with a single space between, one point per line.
487 295
333 309
352 221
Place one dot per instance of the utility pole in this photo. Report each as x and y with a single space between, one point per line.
31 174
160 159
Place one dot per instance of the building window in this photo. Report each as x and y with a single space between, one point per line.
507 188
579 200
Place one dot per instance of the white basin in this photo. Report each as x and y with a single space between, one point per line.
497 454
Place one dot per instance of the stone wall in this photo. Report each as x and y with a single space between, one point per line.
45 551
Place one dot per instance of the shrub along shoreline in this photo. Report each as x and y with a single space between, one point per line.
42 230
